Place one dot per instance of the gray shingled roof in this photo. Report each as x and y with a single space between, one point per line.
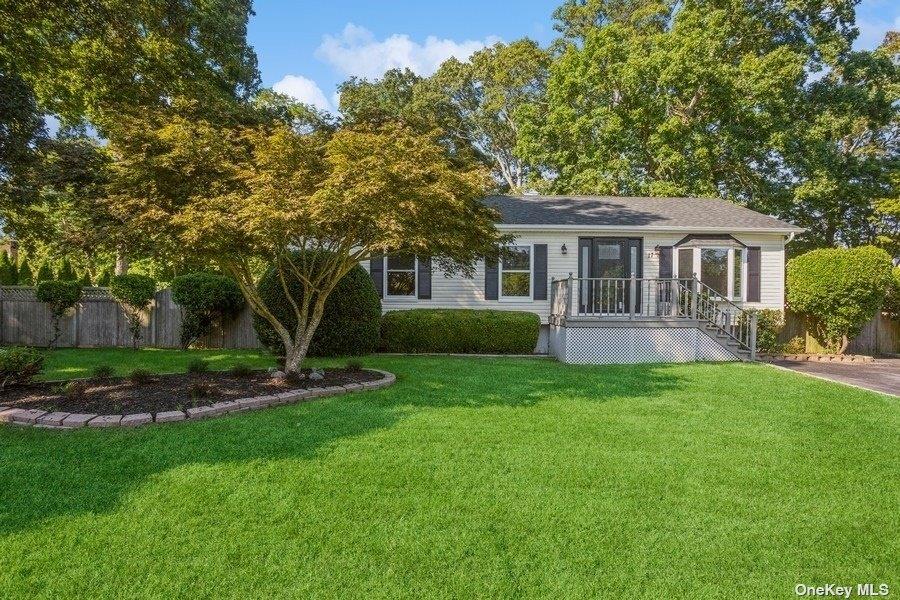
678 213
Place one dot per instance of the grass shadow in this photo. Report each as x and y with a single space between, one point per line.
46 474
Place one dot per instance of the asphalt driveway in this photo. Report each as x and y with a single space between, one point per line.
881 376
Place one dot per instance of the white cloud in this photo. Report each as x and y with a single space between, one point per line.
871 32
304 90
356 52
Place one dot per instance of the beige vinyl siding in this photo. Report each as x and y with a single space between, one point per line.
461 292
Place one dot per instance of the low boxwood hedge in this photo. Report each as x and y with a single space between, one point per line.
460 331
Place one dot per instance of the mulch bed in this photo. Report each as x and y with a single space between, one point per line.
167 392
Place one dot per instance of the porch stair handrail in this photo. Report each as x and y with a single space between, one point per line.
726 317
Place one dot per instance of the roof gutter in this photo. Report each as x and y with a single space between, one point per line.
653 228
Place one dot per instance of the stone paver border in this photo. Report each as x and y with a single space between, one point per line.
841 358
32 417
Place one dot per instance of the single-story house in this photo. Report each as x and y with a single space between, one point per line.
617 279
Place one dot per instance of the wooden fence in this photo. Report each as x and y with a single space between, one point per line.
881 335
98 321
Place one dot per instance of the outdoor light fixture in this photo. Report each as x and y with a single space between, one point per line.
564 250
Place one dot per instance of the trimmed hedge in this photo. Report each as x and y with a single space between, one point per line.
460 331
840 289
349 326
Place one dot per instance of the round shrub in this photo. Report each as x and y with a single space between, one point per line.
769 323
60 297
135 293
840 289
349 325
18 366
205 298
460 331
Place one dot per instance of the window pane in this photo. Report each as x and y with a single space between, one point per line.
685 263
516 284
519 258
401 283
608 251
714 269
738 272
402 262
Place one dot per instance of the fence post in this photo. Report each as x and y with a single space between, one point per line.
753 316
2 321
694 298
552 296
569 298
76 323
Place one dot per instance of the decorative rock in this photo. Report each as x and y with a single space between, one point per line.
78 419
54 418
279 376
170 415
105 421
317 375
135 420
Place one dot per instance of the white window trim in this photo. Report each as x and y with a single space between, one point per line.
403 297
730 266
530 296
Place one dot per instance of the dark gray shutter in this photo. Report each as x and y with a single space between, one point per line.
424 291
665 262
753 274
376 270
491 279
540 271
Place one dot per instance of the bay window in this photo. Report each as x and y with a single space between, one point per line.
515 273
720 268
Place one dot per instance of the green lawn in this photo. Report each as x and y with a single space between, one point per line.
69 363
472 478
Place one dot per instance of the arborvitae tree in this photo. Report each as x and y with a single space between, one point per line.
26 277
44 273
85 279
7 270
66 272
105 276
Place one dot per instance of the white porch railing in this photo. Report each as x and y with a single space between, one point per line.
652 298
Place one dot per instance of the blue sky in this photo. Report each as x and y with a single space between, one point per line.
307 48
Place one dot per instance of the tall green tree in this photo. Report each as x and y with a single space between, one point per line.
842 155
657 101
483 97
95 58
21 129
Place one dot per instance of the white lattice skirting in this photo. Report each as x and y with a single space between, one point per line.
621 345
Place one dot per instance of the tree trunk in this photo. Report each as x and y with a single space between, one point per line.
845 342
121 260
14 252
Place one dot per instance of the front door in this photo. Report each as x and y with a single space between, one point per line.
607 263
